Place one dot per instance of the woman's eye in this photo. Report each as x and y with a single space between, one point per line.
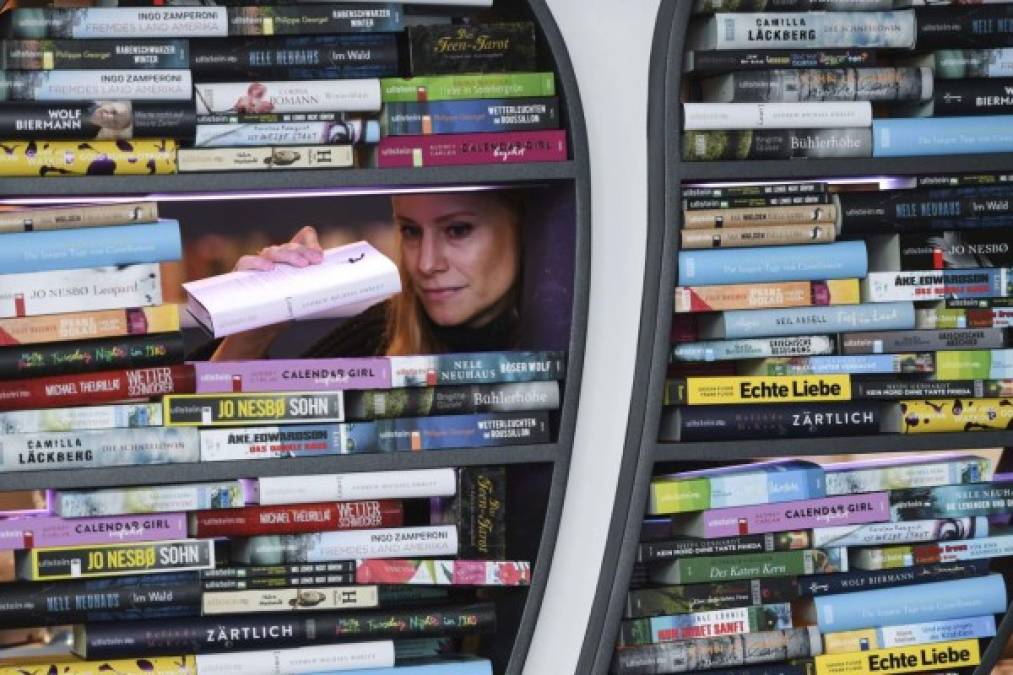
459 230
410 232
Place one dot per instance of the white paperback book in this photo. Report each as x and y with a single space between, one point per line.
286 96
806 115
348 487
350 279
312 659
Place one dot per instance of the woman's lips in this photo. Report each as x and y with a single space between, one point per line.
441 293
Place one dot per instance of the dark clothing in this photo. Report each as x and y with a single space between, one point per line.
361 335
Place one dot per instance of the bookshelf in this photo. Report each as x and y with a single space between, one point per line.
536 474
643 451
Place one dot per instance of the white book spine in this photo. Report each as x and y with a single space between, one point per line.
80 290
314 598
722 350
82 418
908 476
289 96
242 443
419 483
153 499
903 286
98 448
821 115
908 532
149 22
812 30
299 660
88 85
975 549
936 631
434 541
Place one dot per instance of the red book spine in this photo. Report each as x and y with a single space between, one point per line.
297 518
504 147
108 386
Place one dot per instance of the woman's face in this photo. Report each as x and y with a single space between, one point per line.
462 252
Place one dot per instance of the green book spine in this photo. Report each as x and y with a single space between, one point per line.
750 566
458 87
680 496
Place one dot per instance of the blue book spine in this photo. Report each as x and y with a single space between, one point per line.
89 247
978 596
461 431
811 262
936 631
436 666
748 323
766 487
469 116
903 137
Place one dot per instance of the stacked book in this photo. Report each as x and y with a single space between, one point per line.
368 572
157 89
794 568
837 313
859 78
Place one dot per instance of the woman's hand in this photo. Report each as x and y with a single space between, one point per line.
303 250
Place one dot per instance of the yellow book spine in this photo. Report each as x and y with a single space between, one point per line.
767 296
767 389
94 158
153 665
972 414
917 659
89 325
851 641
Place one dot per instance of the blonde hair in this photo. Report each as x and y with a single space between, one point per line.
409 330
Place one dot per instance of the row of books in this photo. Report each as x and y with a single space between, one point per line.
792 567
767 84
326 92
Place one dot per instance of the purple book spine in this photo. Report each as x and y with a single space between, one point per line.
292 375
46 531
873 507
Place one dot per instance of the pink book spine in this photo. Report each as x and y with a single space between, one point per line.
512 147
873 507
292 375
46 531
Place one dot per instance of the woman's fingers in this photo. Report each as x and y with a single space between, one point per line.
302 251
254 262
307 236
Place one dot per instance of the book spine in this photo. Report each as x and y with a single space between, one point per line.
736 621
297 518
321 598
407 542
840 260
736 324
739 489
348 55
479 48
292 375
723 350
702 146
221 410
659 551
51 564
164 54
88 120
772 389
973 97
466 86
891 342
764 215
111 599
689 598
30 220
477 511
988 364
948 27
762 190
70 158
48 531
287 97
357 486
773 235
462 149
83 418
459 431
898 137
358 657
833 584
892 390
750 566
99 448
756 202
952 654
780 420
962 179
89 325
908 635
168 665
470 117
888 30
265 583
851 478
952 415
936 317
872 364
116 22
712 6
958 64
141 500
443 400
85 85
935 285
93 388
443 572
790 116
476 368
704 62
474 619
782 517
978 303
339 132
33 293
66 358
797 86
303 440
974 208
275 571
692 656
307 19
928 554
951 501
879 534
194 160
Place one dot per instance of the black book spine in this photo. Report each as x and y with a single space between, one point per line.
988 96
978 303
654 551
85 356
477 48
255 571
951 249
325 19
934 209
952 501
93 54
788 420
451 400
258 583
756 190
892 390
829 584
113 599
720 61
985 27
479 510
698 203
711 146
964 180
98 120
474 619
690 598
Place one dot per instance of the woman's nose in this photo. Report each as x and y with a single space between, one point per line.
431 256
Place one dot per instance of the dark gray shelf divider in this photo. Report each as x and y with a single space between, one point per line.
666 173
575 173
